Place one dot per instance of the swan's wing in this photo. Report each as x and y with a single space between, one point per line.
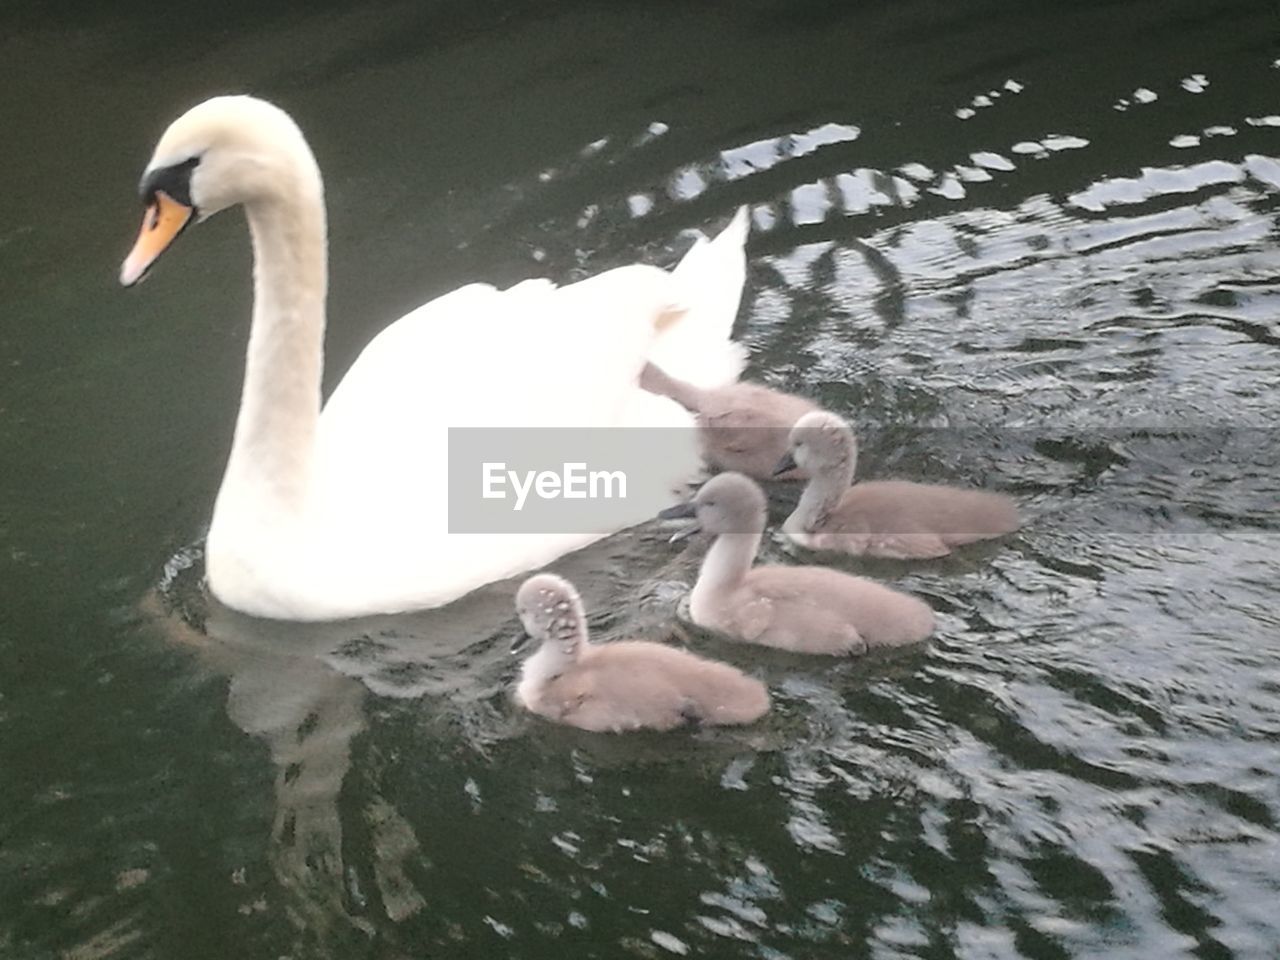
907 546
754 618
809 610
532 356
614 699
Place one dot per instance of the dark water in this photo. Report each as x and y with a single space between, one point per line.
1026 245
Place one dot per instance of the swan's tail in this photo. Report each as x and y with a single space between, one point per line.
693 342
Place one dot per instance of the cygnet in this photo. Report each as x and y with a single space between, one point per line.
741 426
801 609
627 685
882 518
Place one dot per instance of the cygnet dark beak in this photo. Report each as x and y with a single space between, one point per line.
681 511
520 641
785 465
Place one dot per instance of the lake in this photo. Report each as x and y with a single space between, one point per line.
1027 246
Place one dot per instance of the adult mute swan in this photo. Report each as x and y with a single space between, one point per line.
342 513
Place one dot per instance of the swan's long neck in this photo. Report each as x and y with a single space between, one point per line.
559 650
823 494
726 563
280 406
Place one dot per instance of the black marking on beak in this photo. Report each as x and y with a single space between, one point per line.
175 180
520 641
680 511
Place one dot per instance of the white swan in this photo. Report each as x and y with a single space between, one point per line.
344 513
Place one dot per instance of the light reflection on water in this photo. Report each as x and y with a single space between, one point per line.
1082 762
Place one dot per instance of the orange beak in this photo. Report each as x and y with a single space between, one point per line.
164 220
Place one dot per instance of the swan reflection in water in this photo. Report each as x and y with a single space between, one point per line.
302 689
306 689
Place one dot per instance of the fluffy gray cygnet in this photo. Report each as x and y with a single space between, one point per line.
741 426
628 685
881 518
802 609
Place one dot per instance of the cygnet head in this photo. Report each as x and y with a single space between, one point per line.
222 152
821 443
551 610
727 503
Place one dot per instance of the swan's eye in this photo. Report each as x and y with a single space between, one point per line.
175 180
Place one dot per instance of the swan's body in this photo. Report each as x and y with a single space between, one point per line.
882 518
742 427
801 609
629 685
345 513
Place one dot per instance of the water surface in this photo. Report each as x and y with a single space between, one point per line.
1022 245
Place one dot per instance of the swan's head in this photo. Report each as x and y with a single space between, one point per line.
727 503
820 443
551 611
222 152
